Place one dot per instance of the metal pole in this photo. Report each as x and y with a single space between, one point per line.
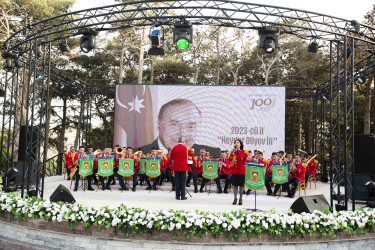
352 125
46 127
345 121
331 123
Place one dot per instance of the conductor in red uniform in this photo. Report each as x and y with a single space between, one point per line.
179 158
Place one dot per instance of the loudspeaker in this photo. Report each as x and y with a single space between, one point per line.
27 131
364 154
361 192
310 203
62 194
34 173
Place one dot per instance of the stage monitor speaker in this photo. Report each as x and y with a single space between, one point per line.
364 154
62 194
23 143
310 203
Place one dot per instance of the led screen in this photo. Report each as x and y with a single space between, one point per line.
209 117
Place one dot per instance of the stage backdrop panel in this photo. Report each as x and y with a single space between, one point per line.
208 116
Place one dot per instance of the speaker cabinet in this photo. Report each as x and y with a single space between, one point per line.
26 143
34 173
310 203
364 154
360 190
62 194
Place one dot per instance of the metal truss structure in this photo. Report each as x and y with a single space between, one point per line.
27 86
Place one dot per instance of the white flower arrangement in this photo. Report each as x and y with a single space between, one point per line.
236 224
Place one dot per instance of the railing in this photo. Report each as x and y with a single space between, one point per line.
54 165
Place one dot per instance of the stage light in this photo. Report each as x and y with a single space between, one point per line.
361 79
158 44
313 47
88 40
61 85
39 76
268 39
63 46
356 25
182 34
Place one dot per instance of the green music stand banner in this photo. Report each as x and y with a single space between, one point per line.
153 167
105 166
254 176
126 167
210 168
280 173
85 166
142 163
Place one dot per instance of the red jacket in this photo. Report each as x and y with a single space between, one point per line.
198 166
311 167
269 168
179 156
126 156
68 159
238 165
74 161
299 173
226 168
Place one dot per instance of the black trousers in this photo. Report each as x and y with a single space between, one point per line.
180 180
78 177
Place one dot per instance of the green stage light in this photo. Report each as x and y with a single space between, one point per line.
183 43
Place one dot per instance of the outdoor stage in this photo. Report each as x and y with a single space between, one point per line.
158 200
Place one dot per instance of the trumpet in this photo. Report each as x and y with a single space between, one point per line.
97 152
119 150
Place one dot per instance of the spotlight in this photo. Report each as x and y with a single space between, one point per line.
88 40
268 39
63 46
182 34
158 44
9 61
356 25
313 47
361 79
61 85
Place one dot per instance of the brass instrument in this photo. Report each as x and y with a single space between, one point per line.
97 152
119 150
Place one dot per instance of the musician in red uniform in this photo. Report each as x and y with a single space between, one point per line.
224 172
280 156
190 168
68 159
289 157
154 153
268 176
237 159
198 170
179 156
297 175
137 166
107 153
311 167
81 153
128 155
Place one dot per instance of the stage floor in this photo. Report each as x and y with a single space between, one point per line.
158 200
